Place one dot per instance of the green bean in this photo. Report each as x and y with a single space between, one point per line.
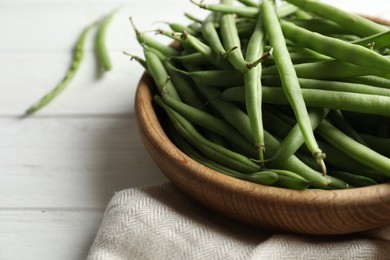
359 152
355 102
289 79
338 49
320 26
193 18
220 154
329 70
248 12
249 3
252 81
196 59
211 123
159 74
298 58
370 80
380 40
143 39
184 87
290 180
231 40
244 11
331 85
176 27
216 78
78 56
355 180
100 43
210 33
336 183
286 10
300 14
358 24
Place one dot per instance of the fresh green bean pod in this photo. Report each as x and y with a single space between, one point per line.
78 56
354 149
289 78
333 69
159 74
195 59
290 180
338 49
231 40
100 43
210 33
252 81
336 183
249 3
176 27
353 179
241 11
321 26
245 11
332 86
355 102
358 24
216 78
370 80
218 153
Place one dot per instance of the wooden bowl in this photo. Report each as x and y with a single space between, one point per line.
309 212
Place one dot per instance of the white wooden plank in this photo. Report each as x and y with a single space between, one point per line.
26 77
43 234
71 162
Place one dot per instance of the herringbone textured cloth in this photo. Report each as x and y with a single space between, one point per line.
160 222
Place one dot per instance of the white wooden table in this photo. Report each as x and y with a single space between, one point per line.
60 167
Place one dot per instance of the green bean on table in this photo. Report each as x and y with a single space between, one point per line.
78 56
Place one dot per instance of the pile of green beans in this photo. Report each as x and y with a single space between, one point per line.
294 96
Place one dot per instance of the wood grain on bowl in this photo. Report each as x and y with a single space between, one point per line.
309 212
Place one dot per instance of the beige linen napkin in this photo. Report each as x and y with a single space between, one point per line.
160 222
